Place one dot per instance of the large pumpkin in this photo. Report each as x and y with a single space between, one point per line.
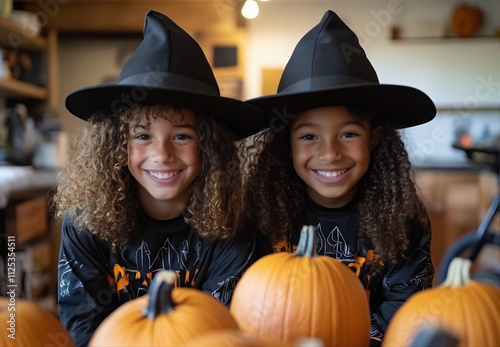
465 309
166 316
24 323
287 296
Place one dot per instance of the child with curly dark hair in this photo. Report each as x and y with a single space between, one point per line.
153 183
332 158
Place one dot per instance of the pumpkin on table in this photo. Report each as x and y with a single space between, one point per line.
286 296
166 316
465 309
29 324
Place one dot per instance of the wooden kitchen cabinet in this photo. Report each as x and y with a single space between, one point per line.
457 202
26 220
27 224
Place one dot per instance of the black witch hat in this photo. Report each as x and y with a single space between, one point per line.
168 68
329 68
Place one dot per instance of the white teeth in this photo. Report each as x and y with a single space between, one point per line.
163 176
330 174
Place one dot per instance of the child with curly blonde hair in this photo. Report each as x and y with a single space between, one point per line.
332 158
153 183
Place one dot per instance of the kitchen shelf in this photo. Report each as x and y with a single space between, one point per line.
397 35
12 35
15 89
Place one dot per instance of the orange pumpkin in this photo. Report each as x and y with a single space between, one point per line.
25 323
465 309
166 316
287 296
466 20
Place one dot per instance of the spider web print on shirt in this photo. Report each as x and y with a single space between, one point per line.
333 245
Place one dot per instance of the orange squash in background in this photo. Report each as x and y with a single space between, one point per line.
31 325
465 309
286 296
466 20
166 316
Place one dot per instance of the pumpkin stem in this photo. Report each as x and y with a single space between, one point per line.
307 242
160 294
458 273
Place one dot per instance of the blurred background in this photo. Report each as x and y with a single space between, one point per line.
449 49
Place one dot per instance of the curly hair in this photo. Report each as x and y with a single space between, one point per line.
388 202
98 190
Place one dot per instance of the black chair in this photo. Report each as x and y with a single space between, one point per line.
475 242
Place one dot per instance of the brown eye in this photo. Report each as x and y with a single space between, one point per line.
348 135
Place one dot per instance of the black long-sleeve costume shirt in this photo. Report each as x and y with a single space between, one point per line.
93 280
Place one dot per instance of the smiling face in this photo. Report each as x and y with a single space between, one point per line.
331 153
164 158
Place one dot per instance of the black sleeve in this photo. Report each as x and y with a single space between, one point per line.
231 258
402 280
84 292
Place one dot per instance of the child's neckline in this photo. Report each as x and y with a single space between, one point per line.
147 217
323 209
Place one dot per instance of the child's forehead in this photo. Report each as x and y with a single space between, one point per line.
324 113
329 116
176 116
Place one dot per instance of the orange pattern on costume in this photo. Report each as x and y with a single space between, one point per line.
358 263
121 280
121 277
194 277
283 246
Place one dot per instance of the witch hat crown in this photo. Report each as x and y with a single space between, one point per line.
328 67
168 68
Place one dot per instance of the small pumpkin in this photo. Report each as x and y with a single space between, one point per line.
166 316
465 309
466 20
287 296
25 323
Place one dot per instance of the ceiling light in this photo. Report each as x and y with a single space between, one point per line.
250 10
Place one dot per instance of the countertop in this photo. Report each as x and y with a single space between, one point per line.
451 166
14 179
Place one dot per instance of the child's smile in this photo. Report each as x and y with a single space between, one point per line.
330 176
330 152
164 176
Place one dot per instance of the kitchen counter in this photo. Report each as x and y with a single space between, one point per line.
451 166
15 179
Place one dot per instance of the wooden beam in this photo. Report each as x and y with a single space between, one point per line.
128 16
52 69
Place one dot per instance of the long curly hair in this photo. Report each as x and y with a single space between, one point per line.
388 197
98 190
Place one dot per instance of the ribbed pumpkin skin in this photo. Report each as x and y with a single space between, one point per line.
471 313
195 313
33 327
285 297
